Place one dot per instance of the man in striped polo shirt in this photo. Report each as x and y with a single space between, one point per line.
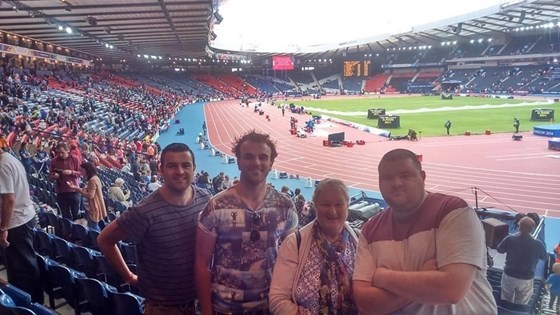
163 228
425 253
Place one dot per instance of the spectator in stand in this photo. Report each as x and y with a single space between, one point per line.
313 273
17 220
150 152
65 171
522 255
299 202
154 184
26 157
553 284
218 182
41 160
93 193
286 190
203 180
227 182
117 193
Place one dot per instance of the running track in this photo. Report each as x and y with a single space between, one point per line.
511 175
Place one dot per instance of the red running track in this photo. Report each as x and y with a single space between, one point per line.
521 176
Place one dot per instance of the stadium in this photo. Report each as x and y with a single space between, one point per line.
473 94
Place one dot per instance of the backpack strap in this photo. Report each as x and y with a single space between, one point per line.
298 240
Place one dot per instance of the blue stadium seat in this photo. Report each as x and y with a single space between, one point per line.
128 251
107 274
80 234
126 303
83 260
96 294
62 252
44 243
65 279
9 307
92 239
20 297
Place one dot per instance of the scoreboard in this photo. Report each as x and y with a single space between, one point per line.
355 68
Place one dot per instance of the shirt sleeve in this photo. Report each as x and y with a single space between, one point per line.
6 182
207 219
503 246
460 239
364 266
134 223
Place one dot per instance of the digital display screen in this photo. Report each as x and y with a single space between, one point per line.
283 62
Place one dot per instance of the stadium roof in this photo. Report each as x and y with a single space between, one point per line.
182 28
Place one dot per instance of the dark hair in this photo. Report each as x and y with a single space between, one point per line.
297 191
401 154
254 136
176 147
61 145
90 169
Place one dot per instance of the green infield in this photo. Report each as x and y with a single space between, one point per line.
428 114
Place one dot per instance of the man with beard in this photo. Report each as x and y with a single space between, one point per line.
163 227
239 232
425 253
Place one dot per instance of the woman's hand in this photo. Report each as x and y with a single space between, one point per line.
73 187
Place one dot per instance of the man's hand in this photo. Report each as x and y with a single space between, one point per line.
4 239
429 265
67 172
55 175
379 276
132 279
382 275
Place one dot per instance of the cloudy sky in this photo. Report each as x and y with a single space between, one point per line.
283 25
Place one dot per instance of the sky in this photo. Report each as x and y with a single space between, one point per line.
286 25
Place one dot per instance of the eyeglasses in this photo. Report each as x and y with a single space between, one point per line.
255 234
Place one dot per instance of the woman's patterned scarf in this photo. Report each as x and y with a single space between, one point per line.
331 269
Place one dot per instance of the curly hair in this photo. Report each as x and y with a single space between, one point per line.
255 137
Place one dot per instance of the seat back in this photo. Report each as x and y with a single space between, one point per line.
65 228
63 277
44 243
80 234
106 272
129 252
62 252
20 297
95 293
92 239
126 303
83 260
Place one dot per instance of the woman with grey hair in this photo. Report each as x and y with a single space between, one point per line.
314 268
116 192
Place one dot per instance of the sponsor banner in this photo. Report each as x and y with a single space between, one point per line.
26 52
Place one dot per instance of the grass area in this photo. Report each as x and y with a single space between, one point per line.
476 119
